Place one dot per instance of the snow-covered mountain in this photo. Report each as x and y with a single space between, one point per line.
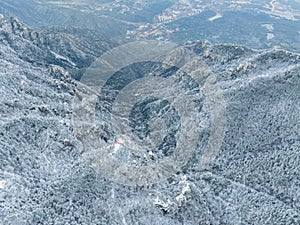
254 178
74 49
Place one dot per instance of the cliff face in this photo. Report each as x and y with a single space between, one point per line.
45 179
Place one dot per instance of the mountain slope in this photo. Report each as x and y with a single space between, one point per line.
60 14
45 180
74 49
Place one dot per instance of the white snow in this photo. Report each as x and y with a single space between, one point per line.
186 189
217 16
270 36
117 147
268 26
128 142
162 204
2 184
63 58
243 2
272 3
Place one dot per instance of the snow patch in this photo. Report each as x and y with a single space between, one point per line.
272 3
217 16
2 184
242 2
124 140
270 36
269 27
185 190
63 58
165 206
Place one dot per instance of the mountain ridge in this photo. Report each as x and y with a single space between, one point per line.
72 48
44 179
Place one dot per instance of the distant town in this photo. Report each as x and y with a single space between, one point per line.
158 27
